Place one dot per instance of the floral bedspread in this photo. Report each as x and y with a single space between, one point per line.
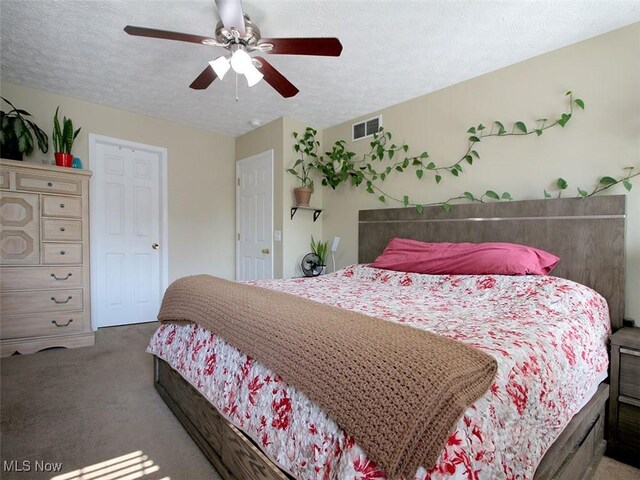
547 334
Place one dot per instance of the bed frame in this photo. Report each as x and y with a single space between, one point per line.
588 236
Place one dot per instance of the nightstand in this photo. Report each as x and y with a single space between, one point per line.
624 402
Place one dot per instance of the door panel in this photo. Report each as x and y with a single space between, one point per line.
254 217
19 229
128 196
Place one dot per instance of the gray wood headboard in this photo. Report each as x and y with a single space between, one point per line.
587 235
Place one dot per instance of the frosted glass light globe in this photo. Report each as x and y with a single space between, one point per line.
241 61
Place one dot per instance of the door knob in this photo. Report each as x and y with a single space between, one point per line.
265 251
155 246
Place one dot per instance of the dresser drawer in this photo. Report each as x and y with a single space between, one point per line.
41 324
61 230
47 301
47 184
53 206
629 434
34 278
61 253
630 372
5 179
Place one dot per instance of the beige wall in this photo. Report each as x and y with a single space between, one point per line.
296 232
299 229
200 174
604 71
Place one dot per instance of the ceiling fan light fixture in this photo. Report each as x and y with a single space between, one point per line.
221 66
253 76
241 61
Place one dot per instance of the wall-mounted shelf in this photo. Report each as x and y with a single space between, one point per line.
316 211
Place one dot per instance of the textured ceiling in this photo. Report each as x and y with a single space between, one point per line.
393 51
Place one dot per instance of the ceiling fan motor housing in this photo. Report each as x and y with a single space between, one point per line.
251 37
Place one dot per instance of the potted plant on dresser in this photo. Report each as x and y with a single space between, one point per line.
63 138
16 139
307 146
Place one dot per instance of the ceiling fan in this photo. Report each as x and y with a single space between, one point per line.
240 36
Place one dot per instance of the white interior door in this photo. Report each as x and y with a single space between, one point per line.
254 217
127 241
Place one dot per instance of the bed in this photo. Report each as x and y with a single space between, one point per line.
595 258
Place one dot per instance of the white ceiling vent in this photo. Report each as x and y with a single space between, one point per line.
366 128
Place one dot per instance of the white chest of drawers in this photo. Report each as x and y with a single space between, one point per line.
44 258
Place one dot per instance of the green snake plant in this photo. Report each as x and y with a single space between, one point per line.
64 137
320 249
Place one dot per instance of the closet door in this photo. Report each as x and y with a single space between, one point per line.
254 217
127 235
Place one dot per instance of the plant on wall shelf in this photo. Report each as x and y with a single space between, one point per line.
306 146
63 138
16 138
385 158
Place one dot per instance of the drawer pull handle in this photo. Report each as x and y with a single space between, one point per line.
59 302
50 184
55 322
62 229
62 205
62 252
61 278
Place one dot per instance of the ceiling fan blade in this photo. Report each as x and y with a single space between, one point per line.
205 79
164 34
274 78
231 15
328 47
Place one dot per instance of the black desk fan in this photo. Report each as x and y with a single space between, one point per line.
311 265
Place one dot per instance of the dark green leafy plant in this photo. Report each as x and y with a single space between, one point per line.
320 249
15 133
306 146
385 158
64 137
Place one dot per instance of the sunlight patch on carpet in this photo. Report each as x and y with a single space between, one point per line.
126 467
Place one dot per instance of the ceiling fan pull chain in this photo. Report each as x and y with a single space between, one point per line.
236 86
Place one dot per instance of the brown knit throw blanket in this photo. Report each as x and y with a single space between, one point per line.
398 391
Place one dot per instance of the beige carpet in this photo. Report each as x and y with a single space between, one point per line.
90 405
95 411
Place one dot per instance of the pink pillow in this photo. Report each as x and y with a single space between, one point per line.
406 255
